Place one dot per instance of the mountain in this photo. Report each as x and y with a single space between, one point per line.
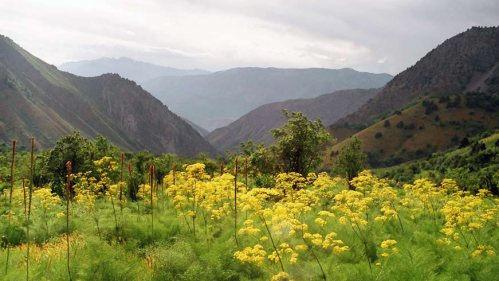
432 124
215 100
462 62
202 131
39 100
257 123
134 70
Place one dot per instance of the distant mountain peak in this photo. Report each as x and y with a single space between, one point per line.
132 69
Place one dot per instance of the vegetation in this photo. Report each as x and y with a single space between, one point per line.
473 163
301 228
436 123
351 161
85 217
299 144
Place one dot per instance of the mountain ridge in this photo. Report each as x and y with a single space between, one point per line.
217 99
257 123
41 101
137 71
448 68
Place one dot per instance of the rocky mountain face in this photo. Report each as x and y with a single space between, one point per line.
137 71
257 123
217 99
461 63
38 100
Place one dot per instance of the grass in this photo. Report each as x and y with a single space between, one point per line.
131 252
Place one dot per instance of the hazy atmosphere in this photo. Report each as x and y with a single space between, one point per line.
375 36
249 140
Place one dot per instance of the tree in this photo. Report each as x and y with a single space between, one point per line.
351 160
299 144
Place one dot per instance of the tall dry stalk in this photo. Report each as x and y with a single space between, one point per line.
222 168
29 203
68 168
173 173
246 171
24 197
235 200
12 169
121 183
10 199
151 183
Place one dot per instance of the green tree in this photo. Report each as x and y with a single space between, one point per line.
351 160
299 144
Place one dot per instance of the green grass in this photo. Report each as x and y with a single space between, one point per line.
131 252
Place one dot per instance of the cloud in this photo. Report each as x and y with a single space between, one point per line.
378 36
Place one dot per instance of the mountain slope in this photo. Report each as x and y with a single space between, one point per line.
202 131
257 123
429 126
38 100
217 99
459 63
134 70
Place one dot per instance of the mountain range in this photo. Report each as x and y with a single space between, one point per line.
36 99
257 123
127 68
217 99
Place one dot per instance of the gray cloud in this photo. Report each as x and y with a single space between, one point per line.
378 36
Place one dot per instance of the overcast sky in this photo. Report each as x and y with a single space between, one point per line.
367 35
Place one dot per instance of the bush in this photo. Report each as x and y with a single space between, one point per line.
378 135
265 181
410 127
400 125
430 107
387 123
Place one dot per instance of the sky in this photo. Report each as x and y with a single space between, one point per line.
382 36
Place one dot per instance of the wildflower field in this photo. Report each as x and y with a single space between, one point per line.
195 225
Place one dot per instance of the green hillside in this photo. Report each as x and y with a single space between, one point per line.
474 164
431 125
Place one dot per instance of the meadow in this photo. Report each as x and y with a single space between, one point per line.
237 223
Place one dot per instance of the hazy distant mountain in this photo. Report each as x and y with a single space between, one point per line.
256 124
217 99
128 68
202 131
39 100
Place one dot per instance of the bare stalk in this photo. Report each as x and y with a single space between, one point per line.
121 183
12 169
151 182
246 171
29 204
235 200
24 193
10 199
68 167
